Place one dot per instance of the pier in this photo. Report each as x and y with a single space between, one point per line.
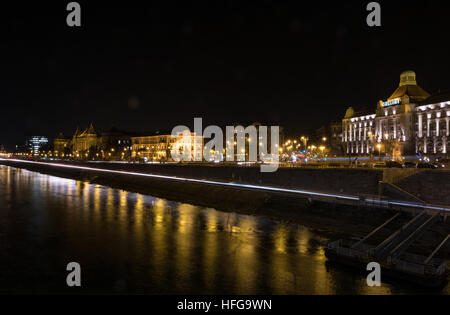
392 253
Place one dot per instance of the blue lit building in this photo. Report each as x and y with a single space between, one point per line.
35 144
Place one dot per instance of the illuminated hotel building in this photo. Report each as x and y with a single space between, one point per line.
409 122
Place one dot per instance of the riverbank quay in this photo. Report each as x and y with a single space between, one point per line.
338 212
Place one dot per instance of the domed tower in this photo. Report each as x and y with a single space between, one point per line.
408 78
408 90
349 113
395 118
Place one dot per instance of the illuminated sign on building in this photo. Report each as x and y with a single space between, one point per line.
393 102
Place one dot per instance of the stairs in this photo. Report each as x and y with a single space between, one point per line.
400 240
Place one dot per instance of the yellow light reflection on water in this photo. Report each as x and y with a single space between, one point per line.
139 211
159 242
69 196
110 206
139 208
185 242
97 205
246 257
123 208
280 237
321 280
211 249
281 279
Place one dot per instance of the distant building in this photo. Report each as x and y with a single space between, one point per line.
85 142
115 144
157 147
22 149
257 142
36 143
61 145
112 144
331 136
408 122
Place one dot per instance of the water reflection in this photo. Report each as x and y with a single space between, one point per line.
132 243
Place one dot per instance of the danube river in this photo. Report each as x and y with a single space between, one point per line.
131 243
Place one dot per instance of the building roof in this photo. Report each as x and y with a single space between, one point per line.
77 132
415 93
352 113
89 131
113 131
152 134
437 98
61 136
408 86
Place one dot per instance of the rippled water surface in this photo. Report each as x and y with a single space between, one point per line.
131 243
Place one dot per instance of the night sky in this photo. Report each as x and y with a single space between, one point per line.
150 65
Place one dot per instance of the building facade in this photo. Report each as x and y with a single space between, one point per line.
114 144
330 135
61 145
158 146
36 143
432 134
83 142
409 122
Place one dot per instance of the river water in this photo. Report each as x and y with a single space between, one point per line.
131 243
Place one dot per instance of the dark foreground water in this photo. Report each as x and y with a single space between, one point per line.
132 243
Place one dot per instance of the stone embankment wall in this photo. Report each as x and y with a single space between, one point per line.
432 186
354 181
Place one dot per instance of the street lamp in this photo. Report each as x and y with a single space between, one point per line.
322 149
305 141
386 138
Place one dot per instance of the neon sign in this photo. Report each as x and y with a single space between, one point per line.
393 102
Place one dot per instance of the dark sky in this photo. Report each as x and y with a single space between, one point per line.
155 64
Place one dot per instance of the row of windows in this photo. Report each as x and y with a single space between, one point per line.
432 115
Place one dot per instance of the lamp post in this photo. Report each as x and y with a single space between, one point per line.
322 149
305 141
386 138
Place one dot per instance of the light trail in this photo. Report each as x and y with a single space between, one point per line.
192 180
360 200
